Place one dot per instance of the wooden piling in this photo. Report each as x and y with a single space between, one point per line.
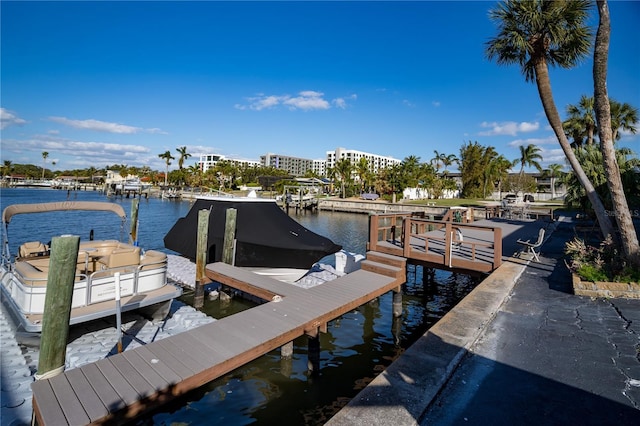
228 248
134 221
57 305
201 257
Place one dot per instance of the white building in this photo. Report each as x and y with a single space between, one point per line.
295 166
208 161
376 162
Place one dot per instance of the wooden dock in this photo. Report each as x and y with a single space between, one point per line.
466 246
126 386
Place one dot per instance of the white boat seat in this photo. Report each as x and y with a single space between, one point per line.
32 248
531 247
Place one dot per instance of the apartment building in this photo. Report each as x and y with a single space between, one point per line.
295 166
376 162
208 161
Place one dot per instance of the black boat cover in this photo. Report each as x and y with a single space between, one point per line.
266 236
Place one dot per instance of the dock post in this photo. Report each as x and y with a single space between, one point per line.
134 221
57 305
397 303
201 257
313 362
286 351
228 248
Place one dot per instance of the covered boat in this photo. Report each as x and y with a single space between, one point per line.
24 275
266 237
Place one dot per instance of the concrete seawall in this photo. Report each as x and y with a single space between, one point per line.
366 207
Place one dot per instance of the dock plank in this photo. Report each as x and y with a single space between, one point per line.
46 407
176 364
108 395
158 365
71 406
88 397
200 348
184 354
135 377
150 373
118 382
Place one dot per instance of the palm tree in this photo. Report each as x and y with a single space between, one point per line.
45 154
436 161
554 171
539 33
581 123
498 170
183 156
529 156
167 157
363 171
623 116
448 160
343 170
628 236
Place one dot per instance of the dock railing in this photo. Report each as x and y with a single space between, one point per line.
461 245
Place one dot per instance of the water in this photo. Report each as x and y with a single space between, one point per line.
356 348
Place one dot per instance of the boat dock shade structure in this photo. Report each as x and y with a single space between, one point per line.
265 235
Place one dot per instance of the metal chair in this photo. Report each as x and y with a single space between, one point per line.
531 247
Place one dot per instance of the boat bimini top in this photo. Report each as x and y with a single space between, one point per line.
15 209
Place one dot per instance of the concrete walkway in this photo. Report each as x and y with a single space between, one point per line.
520 349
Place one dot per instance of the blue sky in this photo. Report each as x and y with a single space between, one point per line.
99 83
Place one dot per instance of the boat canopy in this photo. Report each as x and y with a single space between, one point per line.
265 235
15 209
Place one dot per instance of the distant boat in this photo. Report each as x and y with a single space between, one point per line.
266 237
171 194
133 185
33 183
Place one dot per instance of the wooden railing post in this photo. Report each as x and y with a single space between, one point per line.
406 247
497 247
447 243
373 232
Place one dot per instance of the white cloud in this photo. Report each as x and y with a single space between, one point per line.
342 102
536 141
435 103
510 128
306 100
8 118
408 103
103 126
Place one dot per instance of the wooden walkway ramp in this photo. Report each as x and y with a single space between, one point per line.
125 386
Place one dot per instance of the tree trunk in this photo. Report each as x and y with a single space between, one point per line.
628 236
544 91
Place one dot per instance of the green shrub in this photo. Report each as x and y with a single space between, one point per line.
602 263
